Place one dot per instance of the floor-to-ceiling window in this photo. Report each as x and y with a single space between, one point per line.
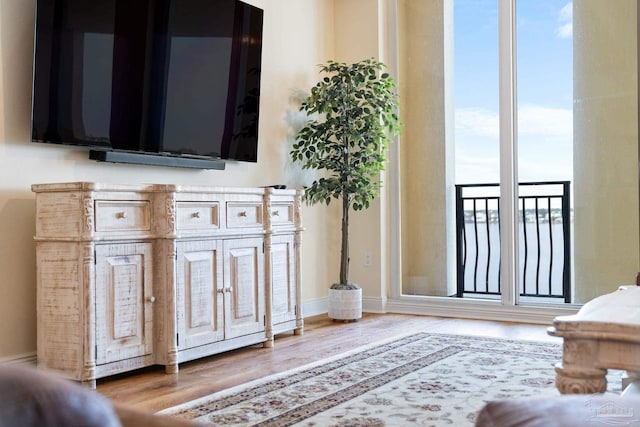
476 137
567 73
544 140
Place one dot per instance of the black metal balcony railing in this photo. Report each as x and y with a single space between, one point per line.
545 243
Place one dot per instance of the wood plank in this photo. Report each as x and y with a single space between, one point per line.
152 390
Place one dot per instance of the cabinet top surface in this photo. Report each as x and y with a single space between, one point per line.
157 188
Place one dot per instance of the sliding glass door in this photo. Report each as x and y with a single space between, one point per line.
544 140
519 158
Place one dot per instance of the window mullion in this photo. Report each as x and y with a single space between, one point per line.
508 152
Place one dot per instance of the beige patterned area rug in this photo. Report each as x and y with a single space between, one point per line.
416 380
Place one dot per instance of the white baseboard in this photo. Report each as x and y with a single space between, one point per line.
451 307
321 306
482 310
315 308
374 305
26 358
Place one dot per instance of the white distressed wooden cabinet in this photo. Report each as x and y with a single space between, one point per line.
136 275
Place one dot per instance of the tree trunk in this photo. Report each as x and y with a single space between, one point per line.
344 249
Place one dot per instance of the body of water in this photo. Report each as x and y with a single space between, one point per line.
541 258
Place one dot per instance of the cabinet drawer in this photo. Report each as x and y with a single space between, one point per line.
112 216
243 214
281 214
198 215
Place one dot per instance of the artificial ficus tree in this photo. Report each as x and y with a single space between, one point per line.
353 115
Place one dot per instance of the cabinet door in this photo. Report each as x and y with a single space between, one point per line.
283 280
244 287
199 293
123 301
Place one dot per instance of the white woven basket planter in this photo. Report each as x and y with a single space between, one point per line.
345 304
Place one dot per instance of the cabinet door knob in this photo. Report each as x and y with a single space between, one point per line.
121 215
151 299
196 214
228 290
221 291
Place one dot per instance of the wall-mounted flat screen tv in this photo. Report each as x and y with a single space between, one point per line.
168 79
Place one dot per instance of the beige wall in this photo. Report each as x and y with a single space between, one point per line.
606 146
426 165
357 38
298 35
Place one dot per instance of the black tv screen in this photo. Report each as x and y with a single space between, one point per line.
164 77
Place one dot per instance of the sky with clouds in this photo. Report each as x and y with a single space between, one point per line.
545 90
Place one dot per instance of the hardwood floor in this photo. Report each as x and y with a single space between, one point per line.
152 390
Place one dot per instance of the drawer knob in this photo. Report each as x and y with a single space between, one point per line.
151 299
243 213
196 214
275 213
121 215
